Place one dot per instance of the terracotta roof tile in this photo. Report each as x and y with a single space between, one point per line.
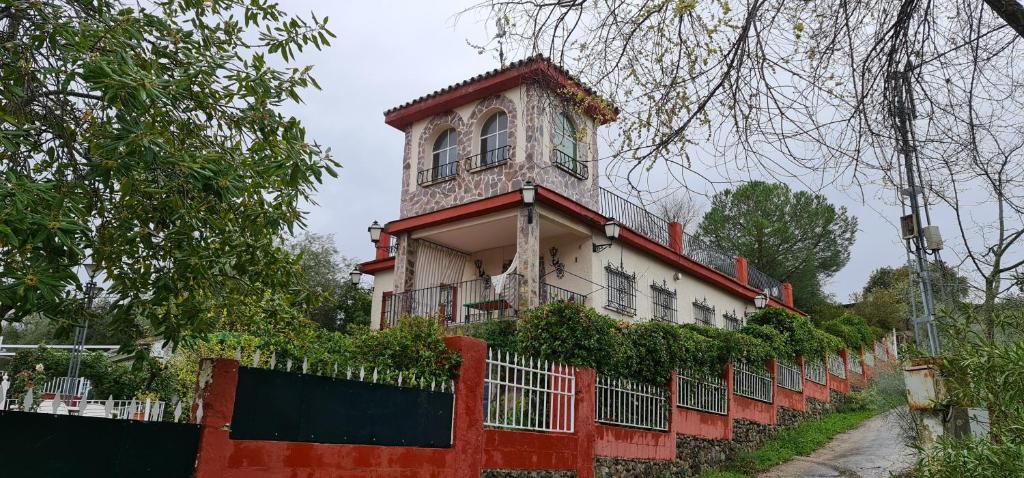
485 75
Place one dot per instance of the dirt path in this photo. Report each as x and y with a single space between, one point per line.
872 450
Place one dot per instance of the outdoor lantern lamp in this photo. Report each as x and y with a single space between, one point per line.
611 231
760 300
355 277
529 197
70 387
375 229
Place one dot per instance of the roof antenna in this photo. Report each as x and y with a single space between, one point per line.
500 36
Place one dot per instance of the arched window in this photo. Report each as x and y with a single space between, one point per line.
446 154
494 139
565 154
565 138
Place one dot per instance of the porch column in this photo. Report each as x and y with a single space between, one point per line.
405 263
528 249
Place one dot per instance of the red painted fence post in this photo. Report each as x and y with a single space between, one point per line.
213 408
586 427
675 237
468 439
741 270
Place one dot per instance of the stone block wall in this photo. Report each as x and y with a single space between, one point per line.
526 474
750 434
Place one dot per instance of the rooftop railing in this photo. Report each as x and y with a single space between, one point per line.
633 216
761 281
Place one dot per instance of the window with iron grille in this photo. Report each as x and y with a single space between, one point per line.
621 290
704 313
664 303
732 321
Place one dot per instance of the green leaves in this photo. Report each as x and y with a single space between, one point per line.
151 141
797 237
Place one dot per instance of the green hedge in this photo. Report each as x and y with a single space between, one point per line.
852 330
649 351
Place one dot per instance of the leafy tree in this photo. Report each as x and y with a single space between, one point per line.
149 139
797 237
888 295
339 303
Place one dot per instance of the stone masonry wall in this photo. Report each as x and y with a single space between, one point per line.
750 434
531 157
622 468
697 454
818 408
787 417
526 474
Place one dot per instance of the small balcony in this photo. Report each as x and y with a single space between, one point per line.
489 159
570 164
437 174
465 302
552 293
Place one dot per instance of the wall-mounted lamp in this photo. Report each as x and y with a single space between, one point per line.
529 197
760 300
355 277
375 229
611 231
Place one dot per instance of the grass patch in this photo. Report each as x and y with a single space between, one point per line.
802 439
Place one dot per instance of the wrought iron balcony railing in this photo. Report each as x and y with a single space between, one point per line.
461 303
550 293
489 158
436 174
633 216
570 164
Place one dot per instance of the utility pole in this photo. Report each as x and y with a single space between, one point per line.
904 115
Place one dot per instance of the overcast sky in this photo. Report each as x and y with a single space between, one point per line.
387 53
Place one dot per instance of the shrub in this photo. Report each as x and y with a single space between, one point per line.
798 332
500 334
570 333
650 352
852 330
971 458
771 343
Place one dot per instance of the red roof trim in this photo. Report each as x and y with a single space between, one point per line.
495 82
457 213
375 266
655 249
588 216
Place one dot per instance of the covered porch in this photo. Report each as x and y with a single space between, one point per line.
490 267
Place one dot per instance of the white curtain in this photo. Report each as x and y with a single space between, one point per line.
436 265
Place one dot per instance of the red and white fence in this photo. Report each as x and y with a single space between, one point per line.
815 371
627 403
706 394
528 394
789 375
836 366
752 381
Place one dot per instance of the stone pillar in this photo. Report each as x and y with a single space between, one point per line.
741 270
675 237
405 263
528 249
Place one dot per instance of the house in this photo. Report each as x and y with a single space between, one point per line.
502 209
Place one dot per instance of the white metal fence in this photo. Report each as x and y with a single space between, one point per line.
707 394
836 366
815 371
68 386
528 394
627 403
855 364
869 359
144 410
789 375
752 381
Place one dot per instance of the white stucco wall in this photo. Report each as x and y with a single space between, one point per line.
383 281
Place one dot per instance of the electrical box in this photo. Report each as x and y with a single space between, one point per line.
932 238
924 387
908 226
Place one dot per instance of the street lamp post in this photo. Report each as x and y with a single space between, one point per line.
78 349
